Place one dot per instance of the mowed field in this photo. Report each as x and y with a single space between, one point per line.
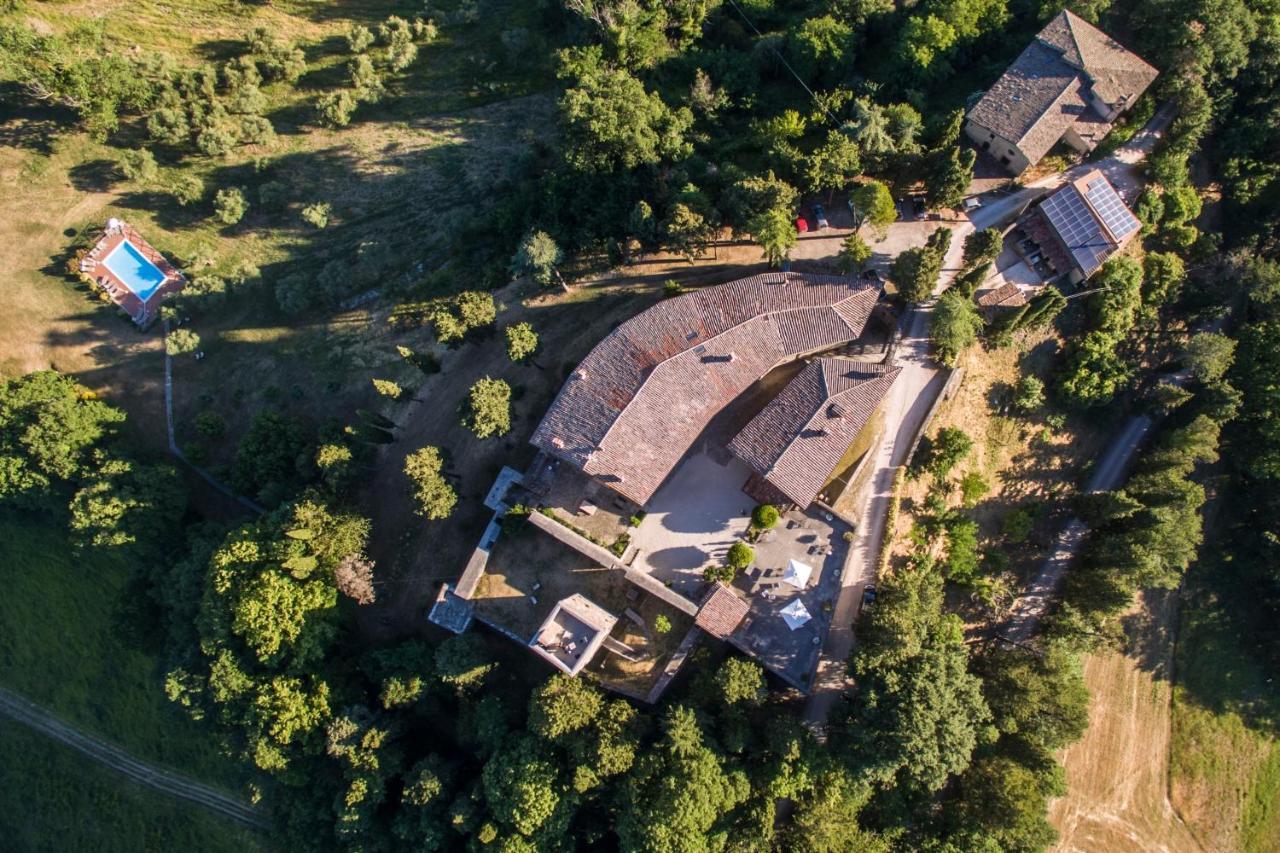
1118 773
53 800
75 637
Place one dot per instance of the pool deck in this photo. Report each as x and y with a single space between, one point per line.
142 312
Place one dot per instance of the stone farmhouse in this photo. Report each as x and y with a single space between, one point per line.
1069 85
663 439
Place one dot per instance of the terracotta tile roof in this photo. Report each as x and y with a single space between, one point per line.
1046 90
638 400
722 611
798 438
1007 295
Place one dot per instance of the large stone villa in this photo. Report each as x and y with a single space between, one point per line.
651 459
1069 85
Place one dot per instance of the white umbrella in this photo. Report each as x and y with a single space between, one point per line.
797 574
795 614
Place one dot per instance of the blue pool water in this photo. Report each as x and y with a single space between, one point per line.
138 274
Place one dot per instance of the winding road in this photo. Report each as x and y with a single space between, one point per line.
33 716
910 399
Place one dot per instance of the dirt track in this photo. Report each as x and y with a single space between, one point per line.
1117 774
29 714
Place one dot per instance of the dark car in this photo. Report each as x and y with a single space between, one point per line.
918 206
820 215
868 595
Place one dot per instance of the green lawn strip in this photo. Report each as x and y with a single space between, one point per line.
1223 745
53 799
67 641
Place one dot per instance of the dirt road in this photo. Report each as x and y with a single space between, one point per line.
1024 617
33 716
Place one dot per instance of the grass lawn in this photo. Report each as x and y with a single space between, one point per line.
69 641
53 799
1225 757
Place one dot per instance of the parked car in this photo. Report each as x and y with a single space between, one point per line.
820 216
868 595
801 225
918 206
972 203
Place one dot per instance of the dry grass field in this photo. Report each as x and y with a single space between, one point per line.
1118 773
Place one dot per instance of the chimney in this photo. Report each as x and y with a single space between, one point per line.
558 442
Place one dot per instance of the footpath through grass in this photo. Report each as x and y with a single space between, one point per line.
1225 758
72 640
53 799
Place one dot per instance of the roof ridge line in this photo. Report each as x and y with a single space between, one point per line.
786 278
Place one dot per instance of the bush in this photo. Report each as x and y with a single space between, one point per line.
740 556
1028 394
765 516
187 189
522 341
661 624
316 215
488 408
939 454
210 424
139 166
335 109
230 205
671 287
181 341
359 38
434 495
476 309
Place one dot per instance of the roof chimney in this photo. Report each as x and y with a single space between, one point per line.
580 373
558 442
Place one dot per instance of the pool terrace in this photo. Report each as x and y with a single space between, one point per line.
132 274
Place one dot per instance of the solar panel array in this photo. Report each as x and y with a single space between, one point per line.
1078 227
1110 209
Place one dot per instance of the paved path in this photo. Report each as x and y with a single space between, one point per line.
177 451
918 385
33 716
1025 615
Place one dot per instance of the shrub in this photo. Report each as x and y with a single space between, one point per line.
139 166
230 205
387 388
671 287
765 516
939 454
740 556
488 408
316 215
973 488
359 38
661 624
522 341
1028 394
181 341
447 326
1017 525
187 189
434 495
210 424
335 109
476 309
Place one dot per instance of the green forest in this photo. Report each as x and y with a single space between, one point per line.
239 634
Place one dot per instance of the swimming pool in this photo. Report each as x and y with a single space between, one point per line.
133 269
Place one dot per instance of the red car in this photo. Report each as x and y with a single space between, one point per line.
801 225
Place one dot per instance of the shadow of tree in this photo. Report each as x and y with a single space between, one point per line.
94 176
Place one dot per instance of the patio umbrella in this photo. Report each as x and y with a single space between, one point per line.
795 614
797 574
